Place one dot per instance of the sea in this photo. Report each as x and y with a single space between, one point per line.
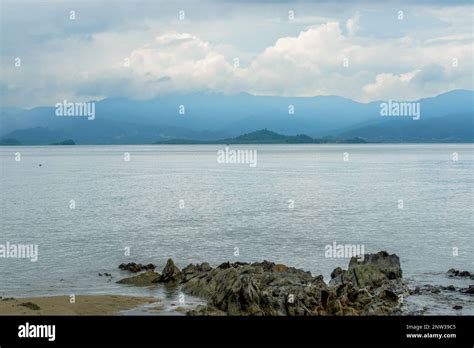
88 209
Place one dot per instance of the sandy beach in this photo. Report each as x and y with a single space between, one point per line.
60 305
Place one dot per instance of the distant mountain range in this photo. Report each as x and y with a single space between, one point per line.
210 117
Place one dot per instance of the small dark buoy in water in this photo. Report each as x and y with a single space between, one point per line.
39 165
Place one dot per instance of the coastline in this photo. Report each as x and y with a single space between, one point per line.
61 305
369 288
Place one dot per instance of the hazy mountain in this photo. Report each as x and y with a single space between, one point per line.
451 128
210 116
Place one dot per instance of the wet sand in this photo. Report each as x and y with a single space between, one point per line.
84 305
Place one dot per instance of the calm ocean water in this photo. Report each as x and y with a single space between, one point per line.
179 202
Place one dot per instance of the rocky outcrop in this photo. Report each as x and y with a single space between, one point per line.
372 271
170 273
369 287
143 279
260 288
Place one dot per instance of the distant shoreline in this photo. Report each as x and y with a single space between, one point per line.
259 137
183 144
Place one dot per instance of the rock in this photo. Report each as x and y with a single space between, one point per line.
136 267
373 270
192 271
170 273
205 267
370 287
456 273
143 279
257 289
337 271
457 307
280 268
469 290
265 289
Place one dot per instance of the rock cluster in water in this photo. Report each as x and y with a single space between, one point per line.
136 267
372 286
454 273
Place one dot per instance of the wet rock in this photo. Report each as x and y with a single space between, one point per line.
143 279
171 273
469 290
456 273
136 267
457 307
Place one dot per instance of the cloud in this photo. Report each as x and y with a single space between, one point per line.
313 63
352 24
320 52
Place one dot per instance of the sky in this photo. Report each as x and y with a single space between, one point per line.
83 50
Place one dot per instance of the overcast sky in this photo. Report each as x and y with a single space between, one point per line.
360 50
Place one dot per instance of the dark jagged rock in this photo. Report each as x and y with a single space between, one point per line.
370 287
469 290
136 267
268 289
456 273
170 273
373 270
256 289
337 272
143 279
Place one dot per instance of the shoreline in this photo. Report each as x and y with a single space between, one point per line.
61 305
372 286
